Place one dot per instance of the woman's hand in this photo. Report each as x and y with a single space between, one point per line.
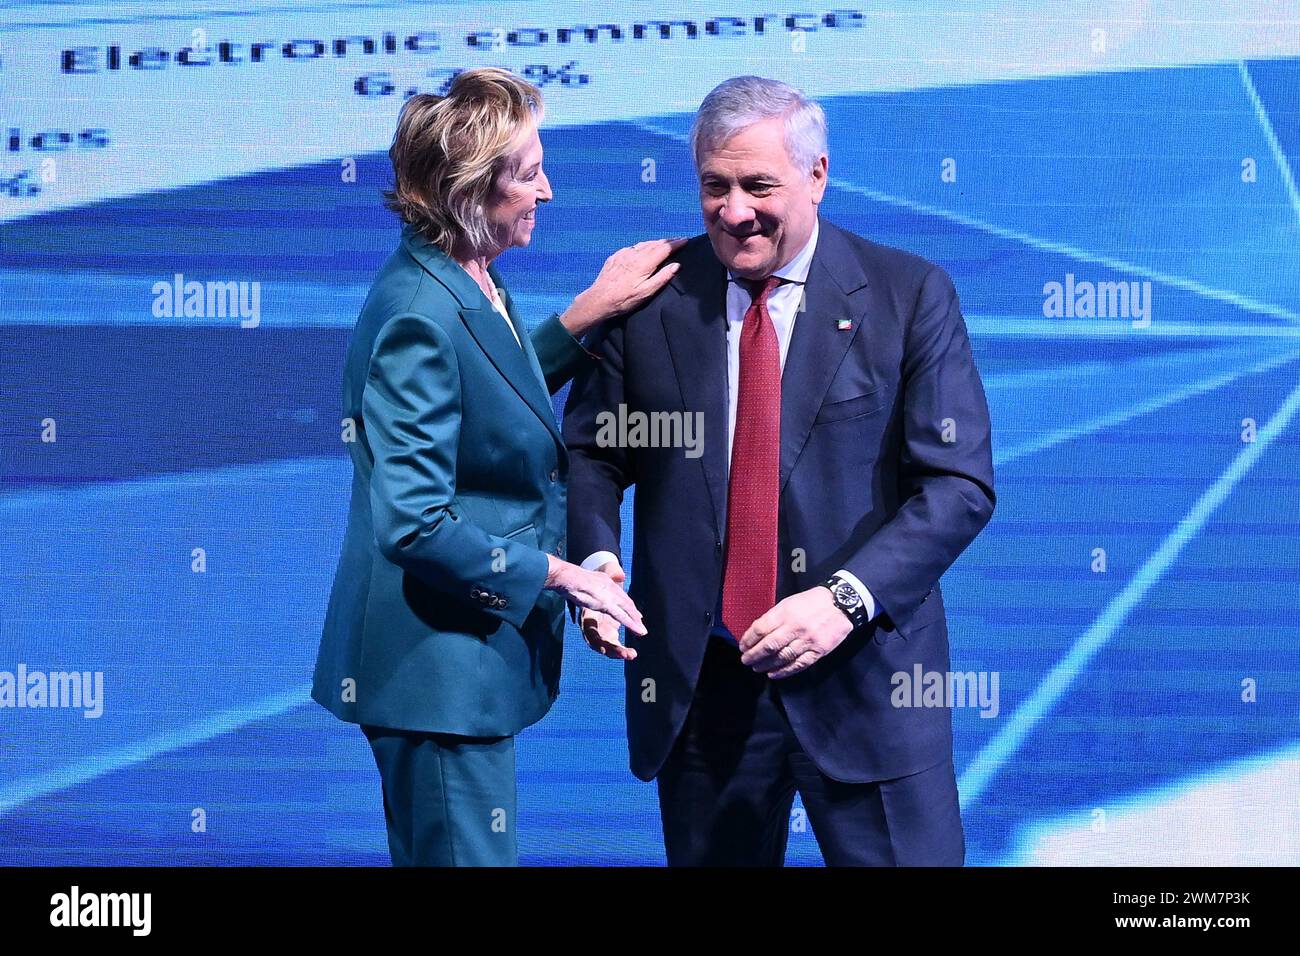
628 278
595 591
600 631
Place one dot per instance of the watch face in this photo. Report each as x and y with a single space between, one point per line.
846 597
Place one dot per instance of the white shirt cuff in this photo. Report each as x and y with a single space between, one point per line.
594 562
868 601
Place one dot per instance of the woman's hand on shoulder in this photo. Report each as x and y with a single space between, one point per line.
628 278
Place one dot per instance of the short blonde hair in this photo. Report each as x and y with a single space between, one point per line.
448 150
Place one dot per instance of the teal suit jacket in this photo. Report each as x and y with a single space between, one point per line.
438 620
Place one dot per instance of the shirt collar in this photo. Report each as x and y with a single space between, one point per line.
796 270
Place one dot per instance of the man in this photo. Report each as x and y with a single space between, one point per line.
788 572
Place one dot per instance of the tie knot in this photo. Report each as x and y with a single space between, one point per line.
760 289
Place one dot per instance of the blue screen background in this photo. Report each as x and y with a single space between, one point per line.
1122 734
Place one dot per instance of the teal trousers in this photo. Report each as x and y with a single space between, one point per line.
448 800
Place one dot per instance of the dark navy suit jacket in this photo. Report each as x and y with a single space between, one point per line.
885 470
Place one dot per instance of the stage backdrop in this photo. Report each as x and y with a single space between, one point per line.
1111 185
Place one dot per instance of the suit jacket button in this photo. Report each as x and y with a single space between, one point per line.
501 603
555 475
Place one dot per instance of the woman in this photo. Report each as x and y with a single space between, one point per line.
445 623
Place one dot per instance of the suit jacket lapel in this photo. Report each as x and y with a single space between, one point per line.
522 331
696 331
697 342
518 366
511 361
817 344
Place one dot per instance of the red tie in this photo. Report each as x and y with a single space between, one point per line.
749 578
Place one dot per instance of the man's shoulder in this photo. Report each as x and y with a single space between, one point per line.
700 272
881 262
697 261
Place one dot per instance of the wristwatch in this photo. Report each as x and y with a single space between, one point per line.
847 599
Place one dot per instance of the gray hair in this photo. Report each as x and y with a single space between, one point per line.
742 101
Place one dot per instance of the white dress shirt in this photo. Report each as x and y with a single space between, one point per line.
783 307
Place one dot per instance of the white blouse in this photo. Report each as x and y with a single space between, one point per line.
500 306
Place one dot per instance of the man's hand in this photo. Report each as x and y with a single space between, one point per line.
600 631
795 634
594 591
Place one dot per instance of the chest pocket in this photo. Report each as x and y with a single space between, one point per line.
856 406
